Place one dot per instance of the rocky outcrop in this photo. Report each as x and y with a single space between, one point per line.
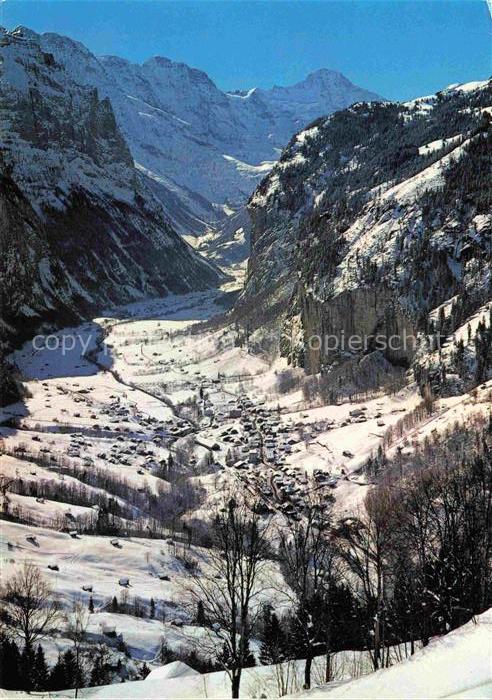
358 321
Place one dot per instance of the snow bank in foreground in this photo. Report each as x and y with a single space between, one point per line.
458 665
176 669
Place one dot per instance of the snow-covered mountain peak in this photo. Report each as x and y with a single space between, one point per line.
179 70
323 78
65 42
21 32
324 84
201 148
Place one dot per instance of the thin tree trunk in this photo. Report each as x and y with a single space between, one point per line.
78 667
235 681
307 671
377 644
328 677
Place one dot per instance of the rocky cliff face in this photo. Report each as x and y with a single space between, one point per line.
80 228
203 150
373 219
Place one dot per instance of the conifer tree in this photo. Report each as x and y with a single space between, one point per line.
40 670
27 667
10 675
144 671
200 614
72 670
57 677
100 674
274 642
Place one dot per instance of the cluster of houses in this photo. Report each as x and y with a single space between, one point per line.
258 443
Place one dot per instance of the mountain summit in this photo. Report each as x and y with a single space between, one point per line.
203 150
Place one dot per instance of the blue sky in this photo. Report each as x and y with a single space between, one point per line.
399 49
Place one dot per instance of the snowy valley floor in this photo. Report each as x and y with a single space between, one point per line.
140 384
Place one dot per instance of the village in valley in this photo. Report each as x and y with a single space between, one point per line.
245 351
130 441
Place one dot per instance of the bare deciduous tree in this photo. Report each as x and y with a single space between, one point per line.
310 569
77 623
368 542
230 583
29 606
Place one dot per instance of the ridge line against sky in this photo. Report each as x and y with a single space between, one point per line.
399 49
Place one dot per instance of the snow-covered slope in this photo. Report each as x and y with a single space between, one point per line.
373 218
203 149
455 666
80 229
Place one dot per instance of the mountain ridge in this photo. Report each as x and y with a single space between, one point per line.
376 221
206 147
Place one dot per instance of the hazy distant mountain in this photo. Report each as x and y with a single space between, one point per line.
203 149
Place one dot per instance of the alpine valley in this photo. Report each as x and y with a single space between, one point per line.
246 383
